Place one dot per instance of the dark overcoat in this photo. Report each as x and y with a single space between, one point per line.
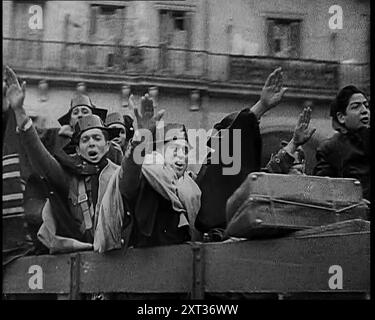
217 187
346 155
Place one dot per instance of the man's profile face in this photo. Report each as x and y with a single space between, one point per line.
77 113
93 145
357 113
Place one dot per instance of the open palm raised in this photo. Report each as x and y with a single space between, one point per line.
302 132
145 117
273 89
15 92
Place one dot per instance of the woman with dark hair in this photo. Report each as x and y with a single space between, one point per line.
347 153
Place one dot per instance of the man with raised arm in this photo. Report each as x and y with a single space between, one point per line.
217 187
82 192
161 195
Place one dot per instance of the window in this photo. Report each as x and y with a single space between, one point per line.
179 18
107 28
110 60
283 37
106 23
108 9
173 21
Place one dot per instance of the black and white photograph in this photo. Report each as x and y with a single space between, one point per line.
203 152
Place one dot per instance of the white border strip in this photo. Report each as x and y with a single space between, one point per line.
13 174
13 212
7 162
14 196
14 155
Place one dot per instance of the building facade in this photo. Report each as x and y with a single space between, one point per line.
199 59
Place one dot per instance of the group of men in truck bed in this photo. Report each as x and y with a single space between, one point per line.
98 183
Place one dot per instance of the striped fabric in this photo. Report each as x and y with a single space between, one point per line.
13 184
11 159
17 240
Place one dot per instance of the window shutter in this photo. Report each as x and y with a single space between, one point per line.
163 26
295 39
188 21
91 52
163 39
64 51
93 18
120 21
270 37
66 28
189 39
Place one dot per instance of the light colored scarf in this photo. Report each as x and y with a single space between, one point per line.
109 225
183 193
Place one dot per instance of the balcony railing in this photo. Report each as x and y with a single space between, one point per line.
164 61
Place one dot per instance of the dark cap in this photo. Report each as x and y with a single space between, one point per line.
174 131
114 117
91 121
126 121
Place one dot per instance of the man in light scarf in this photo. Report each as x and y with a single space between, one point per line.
159 192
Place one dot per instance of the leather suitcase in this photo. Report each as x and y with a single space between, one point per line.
269 205
328 192
263 218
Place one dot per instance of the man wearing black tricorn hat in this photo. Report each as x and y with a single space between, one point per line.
80 106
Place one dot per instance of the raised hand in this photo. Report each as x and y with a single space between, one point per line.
146 118
273 90
302 132
15 92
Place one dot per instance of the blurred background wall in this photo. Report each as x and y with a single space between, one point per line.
199 59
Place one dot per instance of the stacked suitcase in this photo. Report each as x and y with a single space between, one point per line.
268 205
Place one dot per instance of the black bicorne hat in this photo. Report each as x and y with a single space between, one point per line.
82 100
